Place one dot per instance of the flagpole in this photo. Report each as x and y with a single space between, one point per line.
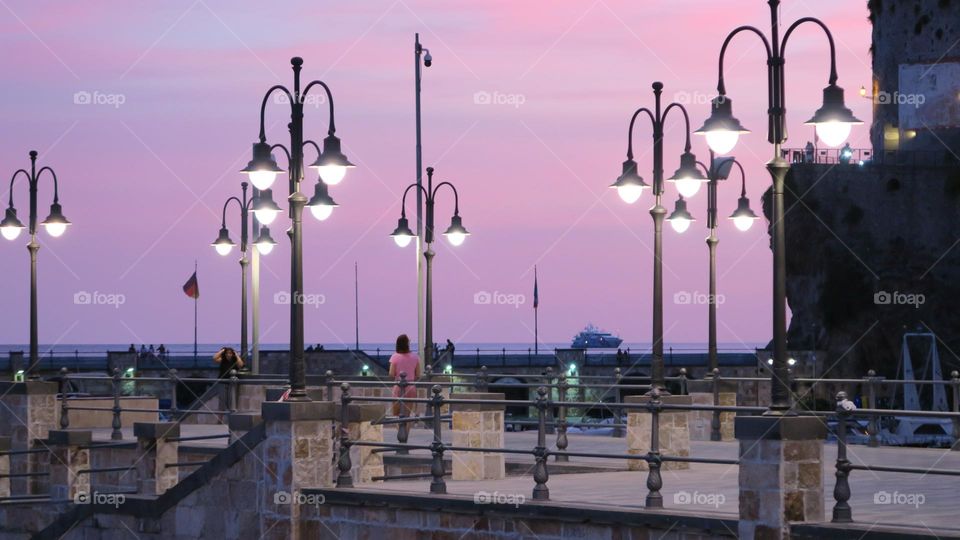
195 304
536 311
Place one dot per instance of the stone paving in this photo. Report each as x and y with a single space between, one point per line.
923 501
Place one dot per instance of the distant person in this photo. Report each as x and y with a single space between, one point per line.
162 351
227 359
132 349
143 350
808 152
151 350
450 347
309 349
404 361
846 153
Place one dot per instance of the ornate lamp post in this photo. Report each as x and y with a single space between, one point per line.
331 165
224 245
455 234
833 122
55 224
422 55
630 187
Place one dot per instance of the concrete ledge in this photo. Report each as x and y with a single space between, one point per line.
678 522
783 428
361 412
4 444
273 394
868 531
706 386
68 437
156 430
28 388
474 407
243 421
287 411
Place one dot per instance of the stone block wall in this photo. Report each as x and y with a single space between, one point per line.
478 426
674 433
700 421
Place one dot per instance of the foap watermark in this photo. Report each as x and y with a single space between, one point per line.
897 298
697 298
486 497
299 498
113 499
482 97
703 499
897 98
695 98
97 298
497 298
316 99
99 98
902 499
284 298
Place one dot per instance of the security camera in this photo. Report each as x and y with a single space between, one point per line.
427 59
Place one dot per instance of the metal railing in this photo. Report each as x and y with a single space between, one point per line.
866 156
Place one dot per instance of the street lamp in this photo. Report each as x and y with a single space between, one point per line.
833 121
55 225
331 164
455 233
630 186
224 245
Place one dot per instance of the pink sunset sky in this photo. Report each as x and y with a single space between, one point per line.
144 181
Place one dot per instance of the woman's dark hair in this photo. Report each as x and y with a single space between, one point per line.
403 344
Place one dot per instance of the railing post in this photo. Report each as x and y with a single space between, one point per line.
618 431
955 384
232 387
116 434
172 374
562 421
344 479
437 485
427 372
403 428
683 381
540 475
654 481
64 414
482 378
715 417
873 422
841 491
328 380
548 384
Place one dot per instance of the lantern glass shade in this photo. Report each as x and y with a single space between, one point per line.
402 235
321 204
629 184
332 164
264 242
262 169
833 120
743 217
680 219
11 226
722 130
688 176
265 208
56 223
223 244
456 233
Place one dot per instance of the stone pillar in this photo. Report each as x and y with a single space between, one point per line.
67 459
298 454
701 422
4 467
674 432
781 473
28 411
240 423
366 463
478 426
155 451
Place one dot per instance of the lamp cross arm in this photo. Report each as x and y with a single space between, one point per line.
456 196
333 126
56 183
721 86
403 200
633 120
12 179
263 107
833 49
686 119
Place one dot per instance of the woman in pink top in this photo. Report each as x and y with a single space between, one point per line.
404 361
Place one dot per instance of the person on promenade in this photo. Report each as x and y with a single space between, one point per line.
404 361
227 359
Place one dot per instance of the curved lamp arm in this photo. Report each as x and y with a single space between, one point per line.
14 177
633 120
456 196
223 219
707 170
743 179
686 119
285 151
56 184
833 50
403 200
333 126
263 107
721 87
314 145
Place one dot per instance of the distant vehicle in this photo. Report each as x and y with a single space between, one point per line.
917 431
593 338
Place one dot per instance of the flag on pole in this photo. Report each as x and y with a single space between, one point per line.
536 290
191 288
